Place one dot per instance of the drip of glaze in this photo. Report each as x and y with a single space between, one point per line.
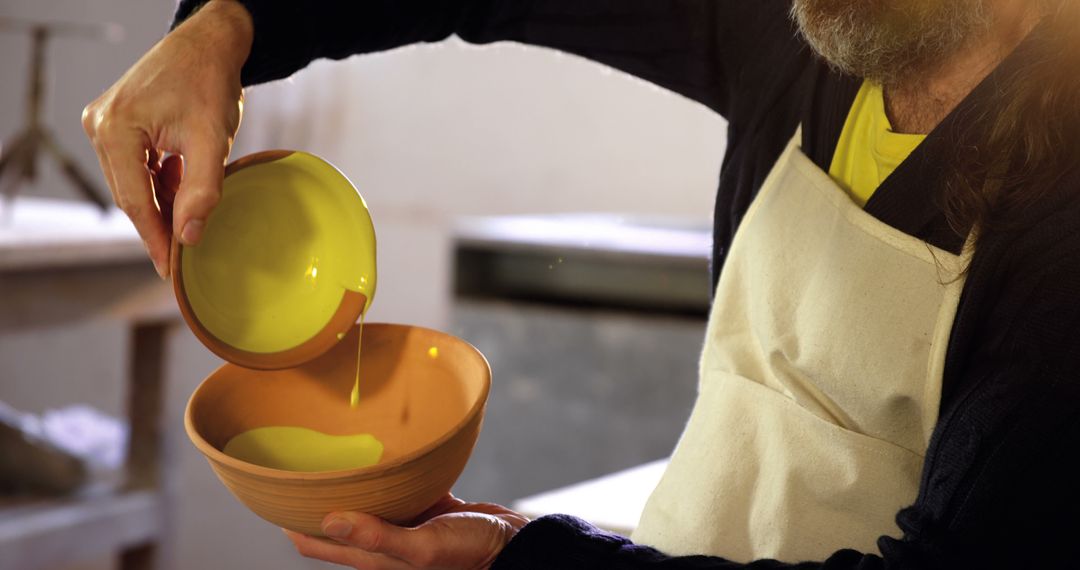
354 398
306 450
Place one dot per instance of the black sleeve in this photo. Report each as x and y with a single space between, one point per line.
698 48
1001 483
561 542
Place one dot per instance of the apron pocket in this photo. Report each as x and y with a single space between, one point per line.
786 483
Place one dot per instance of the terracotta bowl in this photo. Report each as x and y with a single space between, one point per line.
278 246
422 393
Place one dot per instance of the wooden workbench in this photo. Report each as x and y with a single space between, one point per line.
63 262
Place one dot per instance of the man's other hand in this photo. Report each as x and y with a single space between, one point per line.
183 97
452 534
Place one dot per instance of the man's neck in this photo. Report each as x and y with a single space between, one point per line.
919 104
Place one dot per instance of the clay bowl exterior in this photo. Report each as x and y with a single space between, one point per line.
422 393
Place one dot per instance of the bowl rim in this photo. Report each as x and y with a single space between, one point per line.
216 455
350 307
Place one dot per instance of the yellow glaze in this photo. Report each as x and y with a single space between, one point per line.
354 397
301 449
287 239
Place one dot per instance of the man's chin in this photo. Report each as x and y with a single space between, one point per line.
876 40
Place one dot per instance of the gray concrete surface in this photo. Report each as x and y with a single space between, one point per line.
576 393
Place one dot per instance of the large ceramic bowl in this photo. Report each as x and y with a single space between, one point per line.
422 393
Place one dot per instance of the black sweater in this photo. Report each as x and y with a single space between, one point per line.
1001 482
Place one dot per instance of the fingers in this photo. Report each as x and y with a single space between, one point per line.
205 154
133 191
327 551
103 160
446 504
125 156
166 185
374 535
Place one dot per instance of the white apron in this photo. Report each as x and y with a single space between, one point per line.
820 381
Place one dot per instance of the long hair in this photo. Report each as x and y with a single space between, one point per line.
1029 135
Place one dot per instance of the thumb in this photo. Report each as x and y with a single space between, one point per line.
200 190
374 535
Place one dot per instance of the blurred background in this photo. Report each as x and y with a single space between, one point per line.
552 212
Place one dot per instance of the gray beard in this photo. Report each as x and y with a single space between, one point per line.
889 41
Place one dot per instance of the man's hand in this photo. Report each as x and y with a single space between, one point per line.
452 535
182 97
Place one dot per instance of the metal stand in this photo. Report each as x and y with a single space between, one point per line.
18 162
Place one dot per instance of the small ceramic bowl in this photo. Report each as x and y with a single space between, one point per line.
422 393
286 263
